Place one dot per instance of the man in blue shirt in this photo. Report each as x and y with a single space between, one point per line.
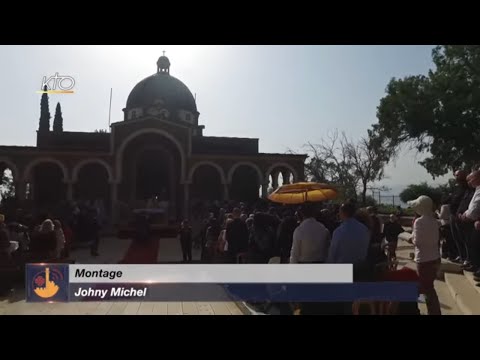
351 240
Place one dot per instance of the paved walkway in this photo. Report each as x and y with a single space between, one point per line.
112 251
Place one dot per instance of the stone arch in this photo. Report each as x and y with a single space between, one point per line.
11 165
82 163
245 182
207 163
128 139
46 180
281 165
28 170
207 184
92 182
245 163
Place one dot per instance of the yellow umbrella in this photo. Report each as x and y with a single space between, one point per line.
302 192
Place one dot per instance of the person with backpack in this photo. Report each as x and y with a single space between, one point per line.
263 239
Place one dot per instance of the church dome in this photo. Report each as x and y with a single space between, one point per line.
162 88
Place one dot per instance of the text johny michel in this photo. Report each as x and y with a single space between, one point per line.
114 292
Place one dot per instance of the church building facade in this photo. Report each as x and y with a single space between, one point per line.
158 149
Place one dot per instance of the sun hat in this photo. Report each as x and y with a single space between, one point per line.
423 205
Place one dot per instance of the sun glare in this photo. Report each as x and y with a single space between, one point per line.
143 57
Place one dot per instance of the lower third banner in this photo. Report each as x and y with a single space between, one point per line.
386 291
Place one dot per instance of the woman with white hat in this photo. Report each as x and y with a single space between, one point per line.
426 239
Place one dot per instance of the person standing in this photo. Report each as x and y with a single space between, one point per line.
458 205
263 239
391 230
60 236
4 237
311 239
351 240
94 231
285 236
185 236
376 226
426 238
43 246
211 239
449 248
471 215
237 236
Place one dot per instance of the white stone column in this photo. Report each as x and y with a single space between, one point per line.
286 177
264 190
275 180
31 191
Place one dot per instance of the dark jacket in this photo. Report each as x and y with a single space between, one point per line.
376 230
392 230
285 236
457 197
185 235
467 197
237 236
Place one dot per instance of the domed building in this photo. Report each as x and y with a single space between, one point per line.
157 150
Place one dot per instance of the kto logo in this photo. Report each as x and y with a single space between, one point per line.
46 282
57 84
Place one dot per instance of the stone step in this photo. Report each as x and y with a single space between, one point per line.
449 267
447 302
465 295
469 276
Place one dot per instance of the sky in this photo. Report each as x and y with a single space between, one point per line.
284 95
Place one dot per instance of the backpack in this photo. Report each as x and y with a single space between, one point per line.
264 239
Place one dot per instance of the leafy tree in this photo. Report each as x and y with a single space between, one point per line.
102 131
58 119
448 188
370 201
437 113
7 189
413 191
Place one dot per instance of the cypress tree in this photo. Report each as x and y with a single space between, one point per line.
58 119
44 112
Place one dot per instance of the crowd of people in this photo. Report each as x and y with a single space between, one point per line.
328 234
460 222
311 233
46 237
259 233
